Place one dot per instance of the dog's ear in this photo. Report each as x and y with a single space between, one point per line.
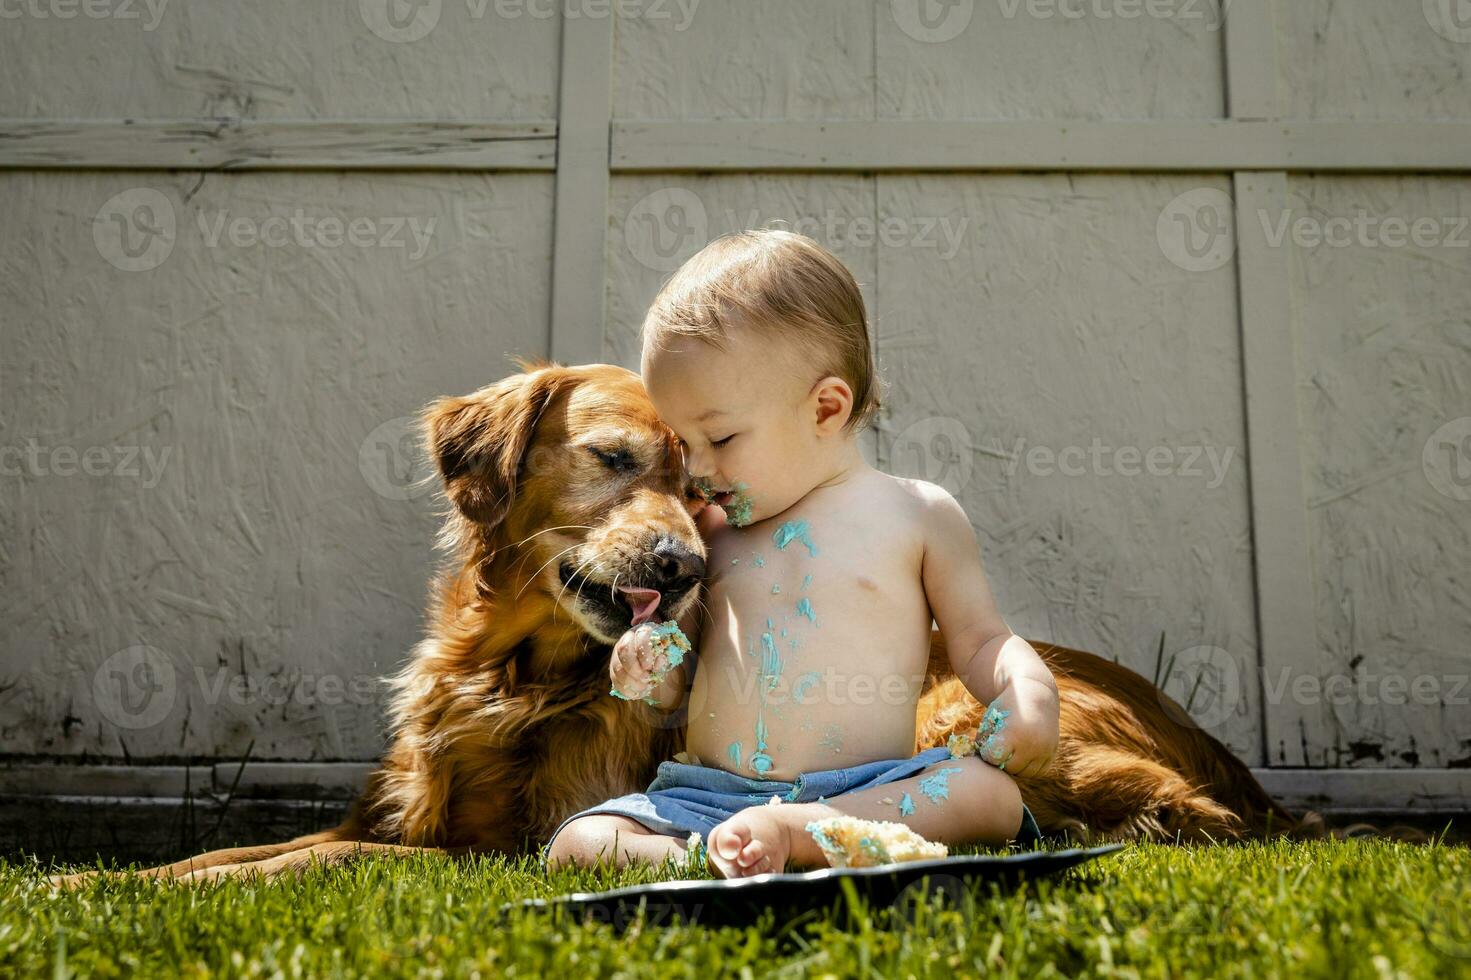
479 441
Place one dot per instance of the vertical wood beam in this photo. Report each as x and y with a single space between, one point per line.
1286 616
1251 59
579 243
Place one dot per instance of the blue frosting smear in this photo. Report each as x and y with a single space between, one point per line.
906 806
993 724
823 840
771 664
797 530
804 608
937 785
675 644
804 684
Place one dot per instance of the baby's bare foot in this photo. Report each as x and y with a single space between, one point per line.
753 842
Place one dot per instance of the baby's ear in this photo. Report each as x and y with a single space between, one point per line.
832 399
480 441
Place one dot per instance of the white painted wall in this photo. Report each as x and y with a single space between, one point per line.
1054 308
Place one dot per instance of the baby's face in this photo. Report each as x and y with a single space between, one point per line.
744 418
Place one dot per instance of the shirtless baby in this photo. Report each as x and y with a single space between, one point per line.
825 575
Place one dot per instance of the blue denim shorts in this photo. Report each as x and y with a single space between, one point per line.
685 799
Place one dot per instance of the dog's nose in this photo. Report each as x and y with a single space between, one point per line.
676 566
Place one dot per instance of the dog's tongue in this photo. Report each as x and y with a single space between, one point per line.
644 602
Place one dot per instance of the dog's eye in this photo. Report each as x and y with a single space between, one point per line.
618 460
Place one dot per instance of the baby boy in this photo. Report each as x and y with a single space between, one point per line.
826 573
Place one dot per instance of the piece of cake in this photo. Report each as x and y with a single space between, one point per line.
670 646
849 842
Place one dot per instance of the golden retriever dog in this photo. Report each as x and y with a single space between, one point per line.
569 503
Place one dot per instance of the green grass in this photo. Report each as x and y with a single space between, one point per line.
1331 909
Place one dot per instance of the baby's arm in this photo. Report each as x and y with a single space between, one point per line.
999 668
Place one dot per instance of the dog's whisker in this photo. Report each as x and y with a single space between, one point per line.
545 530
536 574
700 605
521 562
544 564
526 556
577 596
613 589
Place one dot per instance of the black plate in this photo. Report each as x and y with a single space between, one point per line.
741 901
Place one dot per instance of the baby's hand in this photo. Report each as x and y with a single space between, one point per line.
710 519
1019 731
636 668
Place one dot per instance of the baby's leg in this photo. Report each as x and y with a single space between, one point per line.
607 836
955 801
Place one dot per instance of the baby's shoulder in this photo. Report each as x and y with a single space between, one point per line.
920 503
937 518
922 495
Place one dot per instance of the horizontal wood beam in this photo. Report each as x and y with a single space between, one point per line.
1405 791
665 146
1029 145
1378 790
258 780
60 779
228 144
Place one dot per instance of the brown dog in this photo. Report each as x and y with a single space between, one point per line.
568 495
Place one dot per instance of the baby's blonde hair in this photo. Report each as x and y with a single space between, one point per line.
783 284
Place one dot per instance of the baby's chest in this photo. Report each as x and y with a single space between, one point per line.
810 573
